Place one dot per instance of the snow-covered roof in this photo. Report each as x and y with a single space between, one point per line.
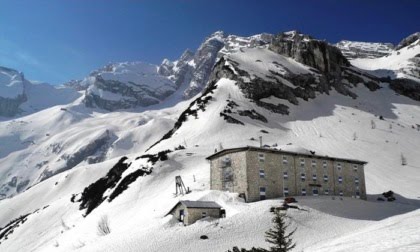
196 204
200 204
298 151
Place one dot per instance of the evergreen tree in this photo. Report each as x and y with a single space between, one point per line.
281 242
277 236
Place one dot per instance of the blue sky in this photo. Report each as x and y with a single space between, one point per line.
55 41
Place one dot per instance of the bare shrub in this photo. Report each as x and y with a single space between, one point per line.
103 226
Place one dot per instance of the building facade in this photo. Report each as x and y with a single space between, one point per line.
260 173
189 212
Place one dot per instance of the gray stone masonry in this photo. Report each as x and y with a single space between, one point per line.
258 173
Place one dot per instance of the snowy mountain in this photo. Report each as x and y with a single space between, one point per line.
139 85
401 67
67 167
353 49
126 85
19 96
209 52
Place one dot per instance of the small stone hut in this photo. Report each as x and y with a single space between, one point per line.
189 212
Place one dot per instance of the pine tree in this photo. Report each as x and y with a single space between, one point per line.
281 242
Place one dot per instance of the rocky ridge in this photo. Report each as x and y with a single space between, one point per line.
355 49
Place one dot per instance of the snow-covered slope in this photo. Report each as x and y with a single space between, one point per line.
67 136
291 96
325 124
400 63
194 69
135 84
19 96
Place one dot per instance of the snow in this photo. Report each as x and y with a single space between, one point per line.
356 49
325 124
108 95
11 83
261 61
139 212
398 64
137 72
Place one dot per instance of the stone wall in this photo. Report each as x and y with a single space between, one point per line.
191 215
251 172
228 173
269 165
194 214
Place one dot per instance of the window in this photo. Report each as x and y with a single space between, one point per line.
302 162
261 157
262 193
203 214
324 164
313 163
302 177
226 162
341 192
286 191
325 178
356 181
326 191
357 194
285 160
285 176
303 192
339 166
340 179
262 173
314 177
355 167
315 191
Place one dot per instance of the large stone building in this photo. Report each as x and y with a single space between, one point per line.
262 173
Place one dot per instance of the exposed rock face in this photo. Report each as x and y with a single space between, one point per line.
10 106
408 40
77 85
361 50
122 85
311 52
12 92
407 87
204 60
126 85
324 69
18 96
180 71
92 152
194 69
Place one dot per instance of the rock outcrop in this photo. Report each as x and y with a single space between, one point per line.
364 50
408 40
126 85
12 92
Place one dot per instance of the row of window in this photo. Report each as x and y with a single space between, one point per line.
261 158
314 177
315 192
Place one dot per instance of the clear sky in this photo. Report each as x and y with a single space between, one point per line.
55 41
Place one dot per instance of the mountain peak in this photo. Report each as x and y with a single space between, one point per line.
408 40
